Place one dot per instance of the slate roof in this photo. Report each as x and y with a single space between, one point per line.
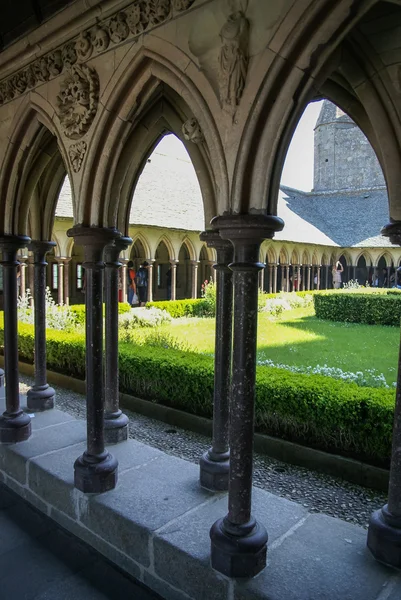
168 195
346 219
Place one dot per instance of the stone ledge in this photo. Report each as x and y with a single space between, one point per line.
155 524
295 454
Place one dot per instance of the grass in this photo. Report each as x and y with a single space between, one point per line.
299 338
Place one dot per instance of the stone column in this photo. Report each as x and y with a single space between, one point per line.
173 263
303 279
384 533
308 271
96 470
15 425
318 277
275 267
40 396
60 280
262 280
67 281
194 278
31 279
23 266
124 262
238 541
115 422
326 277
287 279
214 465
270 279
150 279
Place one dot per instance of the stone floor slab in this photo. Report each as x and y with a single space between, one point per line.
145 499
325 559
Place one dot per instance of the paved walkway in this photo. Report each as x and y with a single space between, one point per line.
40 561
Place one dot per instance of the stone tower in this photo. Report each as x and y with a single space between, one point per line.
343 159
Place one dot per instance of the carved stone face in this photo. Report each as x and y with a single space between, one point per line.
118 28
69 55
55 63
100 38
84 46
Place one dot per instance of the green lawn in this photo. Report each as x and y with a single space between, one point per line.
298 338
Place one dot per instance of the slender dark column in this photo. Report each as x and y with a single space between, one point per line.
238 541
115 422
15 425
384 533
214 465
41 395
96 470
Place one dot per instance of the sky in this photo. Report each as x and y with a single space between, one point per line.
298 167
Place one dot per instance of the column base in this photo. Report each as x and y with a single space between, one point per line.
115 428
14 429
1 378
95 477
236 555
40 397
214 474
384 538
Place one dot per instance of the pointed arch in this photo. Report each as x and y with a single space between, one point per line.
306 257
272 257
190 247
283 255
169 245
295 257
148 95
34 150
387 258
140 237
367 256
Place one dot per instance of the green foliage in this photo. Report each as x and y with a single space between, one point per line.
184 308
310 409
208 293
78 311
359 307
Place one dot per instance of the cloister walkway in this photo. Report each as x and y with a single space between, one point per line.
155 526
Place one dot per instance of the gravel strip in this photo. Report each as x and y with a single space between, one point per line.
319 493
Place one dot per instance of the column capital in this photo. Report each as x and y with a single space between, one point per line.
94 240
249 228
150 261
13 243
174 262
195 263
393 231
113 250
40 249
63 260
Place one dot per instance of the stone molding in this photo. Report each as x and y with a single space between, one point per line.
76 152
137 18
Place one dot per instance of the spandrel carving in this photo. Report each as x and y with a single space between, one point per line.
233 59
78 101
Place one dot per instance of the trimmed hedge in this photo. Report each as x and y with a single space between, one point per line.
310 409
78 311
190 307
359 307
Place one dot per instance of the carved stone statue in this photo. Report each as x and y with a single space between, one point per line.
192 131
78 101
233 59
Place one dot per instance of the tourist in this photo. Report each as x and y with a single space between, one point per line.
336 272
131 276
142 283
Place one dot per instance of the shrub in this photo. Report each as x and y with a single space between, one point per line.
78 310
359 307
57 316
129 323
183 308
310 409
208 294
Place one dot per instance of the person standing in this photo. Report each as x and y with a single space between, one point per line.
142 283
131 276
336 272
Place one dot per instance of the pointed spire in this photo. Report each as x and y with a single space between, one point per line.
330 113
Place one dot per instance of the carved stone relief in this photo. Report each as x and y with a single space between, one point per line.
136 18
78 101
76 153
192 131
233 59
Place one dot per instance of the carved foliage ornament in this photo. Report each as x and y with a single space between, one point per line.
76 153
136 18
78 100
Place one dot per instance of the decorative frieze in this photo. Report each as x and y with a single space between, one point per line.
139 17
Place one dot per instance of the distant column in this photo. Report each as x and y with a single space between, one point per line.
31 279
270 279
174 264
318 277
262 280
60 279
23 267
67 281
194 278
150 279
327 276
275 279
124 262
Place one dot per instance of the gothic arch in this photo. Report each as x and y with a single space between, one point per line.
169 245
283 256
294 257
140 237
190 247
306 257
387 257
367 256
209 253
147 96
35 152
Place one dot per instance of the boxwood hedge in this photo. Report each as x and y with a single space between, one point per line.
197 307
78 311
310 409
359 307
